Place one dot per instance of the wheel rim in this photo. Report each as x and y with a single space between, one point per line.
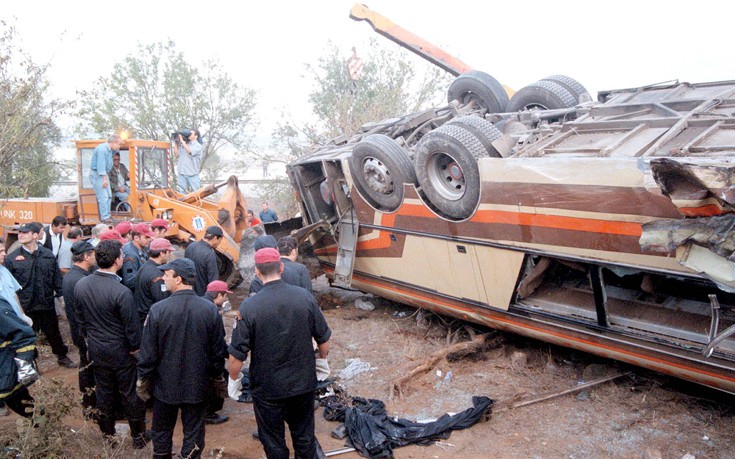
377 176
532 107
447 176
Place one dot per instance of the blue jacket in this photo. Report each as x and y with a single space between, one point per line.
101 159
16 340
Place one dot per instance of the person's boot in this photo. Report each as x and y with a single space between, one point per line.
319 451
141 437
107 427
66 362
215 418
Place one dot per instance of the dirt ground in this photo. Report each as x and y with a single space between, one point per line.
640 415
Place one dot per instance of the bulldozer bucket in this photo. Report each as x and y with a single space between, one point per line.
232 210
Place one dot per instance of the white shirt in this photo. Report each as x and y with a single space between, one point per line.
56 240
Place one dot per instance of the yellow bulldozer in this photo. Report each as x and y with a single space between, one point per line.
150 166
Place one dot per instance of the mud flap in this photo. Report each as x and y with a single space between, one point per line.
348 229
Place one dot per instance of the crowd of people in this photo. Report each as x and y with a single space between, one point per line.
150 333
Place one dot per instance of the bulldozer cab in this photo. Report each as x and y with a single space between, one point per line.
150 170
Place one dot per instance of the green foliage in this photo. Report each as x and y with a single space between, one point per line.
157 91
28 133
390 84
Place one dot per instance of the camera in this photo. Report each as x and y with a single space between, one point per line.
185 133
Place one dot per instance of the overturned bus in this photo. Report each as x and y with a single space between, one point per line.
605 226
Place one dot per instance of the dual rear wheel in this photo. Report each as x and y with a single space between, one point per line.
445 167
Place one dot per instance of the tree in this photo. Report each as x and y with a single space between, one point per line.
157 91
389 85
28 132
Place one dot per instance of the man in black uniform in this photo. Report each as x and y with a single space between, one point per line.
149 285
35 269
109 322
202 254
282 364
217 292
293 273
83 260
182 354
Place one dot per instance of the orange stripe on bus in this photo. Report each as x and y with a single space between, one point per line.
703 211
503 217
540 220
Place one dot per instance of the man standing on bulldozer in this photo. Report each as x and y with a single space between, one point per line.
99 165
190 151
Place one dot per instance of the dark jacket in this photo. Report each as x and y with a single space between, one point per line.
16 340
147 291
132 262
38 275
277 327
108 319
71 278
183 348
112 175
205 260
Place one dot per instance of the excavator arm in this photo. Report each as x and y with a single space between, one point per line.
406 39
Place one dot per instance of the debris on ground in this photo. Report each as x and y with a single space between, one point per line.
481 342
373 434
354 367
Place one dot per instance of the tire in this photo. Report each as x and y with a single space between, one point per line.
572 85
479 87
542 95
379 169
483 129
446 166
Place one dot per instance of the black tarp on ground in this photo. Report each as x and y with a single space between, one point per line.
374 434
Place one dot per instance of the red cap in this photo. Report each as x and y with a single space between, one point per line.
160 243
112 235
159 222
144 229
123 228
267 255
218 286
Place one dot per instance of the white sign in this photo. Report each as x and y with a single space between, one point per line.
198 223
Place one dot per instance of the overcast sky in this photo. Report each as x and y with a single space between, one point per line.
264 45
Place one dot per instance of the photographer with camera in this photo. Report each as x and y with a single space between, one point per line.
190 150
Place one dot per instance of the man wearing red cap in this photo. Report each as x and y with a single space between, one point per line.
149 285
112 235
217 292
134 252
124 229
282 363
159 226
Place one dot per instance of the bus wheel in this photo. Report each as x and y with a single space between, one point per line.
379 168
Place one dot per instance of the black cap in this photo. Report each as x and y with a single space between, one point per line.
81 247
266 241
183 267
29 228
215 231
